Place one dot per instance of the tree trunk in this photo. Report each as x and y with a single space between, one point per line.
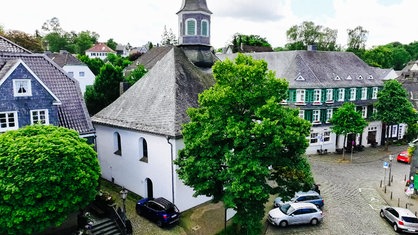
345 137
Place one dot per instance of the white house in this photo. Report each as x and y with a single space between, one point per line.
74 67
99 50
139 135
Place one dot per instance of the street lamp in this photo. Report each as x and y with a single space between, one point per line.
123 195
390 167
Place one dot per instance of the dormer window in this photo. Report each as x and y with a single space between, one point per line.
370 77
190 27
360 77
337 78
300 78
349 77
22 87
205 28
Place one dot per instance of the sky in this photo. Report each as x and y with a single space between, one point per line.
138 22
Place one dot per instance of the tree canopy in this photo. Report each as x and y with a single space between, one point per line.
249 40
168 37
235 141
46 172
307 33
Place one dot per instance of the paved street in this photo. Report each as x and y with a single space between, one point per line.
352 192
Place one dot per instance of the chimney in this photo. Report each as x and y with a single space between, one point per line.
311 47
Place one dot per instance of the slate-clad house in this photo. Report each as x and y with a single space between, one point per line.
320 82
139 134
35 90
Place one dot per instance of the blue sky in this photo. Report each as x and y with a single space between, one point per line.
138 22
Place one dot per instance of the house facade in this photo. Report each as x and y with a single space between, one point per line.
139 134
99 50
35 90
74 67
319 83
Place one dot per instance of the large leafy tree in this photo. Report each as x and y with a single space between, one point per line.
32 43
135 74
307 33
46 172
94 64
105 88
249 40
393 106
347 120
240 137
356 41
168 37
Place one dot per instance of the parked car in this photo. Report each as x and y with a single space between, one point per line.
401 219
310 196
404 157
295 213
159 210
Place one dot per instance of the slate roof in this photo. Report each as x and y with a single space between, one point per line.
72 113
194 5
100 47
64 58
318 69
8 46
157 103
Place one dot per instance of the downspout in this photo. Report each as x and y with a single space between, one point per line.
172 168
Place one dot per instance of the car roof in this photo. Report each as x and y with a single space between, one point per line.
299 205
404 211
310 192
164 202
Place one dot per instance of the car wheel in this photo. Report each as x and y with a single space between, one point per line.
159 223
382 214
395 227
314 221
283 223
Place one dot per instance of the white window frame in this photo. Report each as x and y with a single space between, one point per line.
317 96
330 94
22 84
353 94
143 150
204 33
6 121
117 143
374 93
81 74
37 114
329 114
326 136
302 113
364 111
314 137
300 95
341 94
363 93
316 115
188 27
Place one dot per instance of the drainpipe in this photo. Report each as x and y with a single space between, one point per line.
172 168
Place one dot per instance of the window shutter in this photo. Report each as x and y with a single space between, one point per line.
324 95
308 115
323 116
309 96
347 94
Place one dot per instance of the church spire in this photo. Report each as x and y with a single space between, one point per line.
194 23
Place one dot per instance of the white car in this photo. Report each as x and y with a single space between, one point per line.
400 218
295 213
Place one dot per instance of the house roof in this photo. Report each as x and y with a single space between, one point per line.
64 58
8 46
194 5
72 113
318 69
100 47
157 103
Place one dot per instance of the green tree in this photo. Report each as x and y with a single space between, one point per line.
168 37
249 40
25 40
85 40
347 120
136 74
112 44
94 64
307 33
105 89
357 39
235 141
118 60
47 173
393 106
380 56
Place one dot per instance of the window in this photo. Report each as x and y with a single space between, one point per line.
8 121
317 96
341 92
81 74
374 110
330 94
316 115
302 114
349 77
22 87
360 77
329 115
364 111
71 74
327 136
364 93
370 77
314 138
39 117
300 96
352 93
191 27
117 144
205 28
374 93
143 150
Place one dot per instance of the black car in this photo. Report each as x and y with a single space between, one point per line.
159 210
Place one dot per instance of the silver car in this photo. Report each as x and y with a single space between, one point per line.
295 213
401 219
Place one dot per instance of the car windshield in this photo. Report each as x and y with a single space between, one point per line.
410 219
172 209
284 208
